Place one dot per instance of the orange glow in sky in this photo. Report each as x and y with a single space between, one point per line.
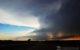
73 38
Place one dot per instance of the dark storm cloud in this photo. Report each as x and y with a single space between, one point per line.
66 19
43 7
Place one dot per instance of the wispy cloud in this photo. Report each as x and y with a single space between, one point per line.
23 20
14 35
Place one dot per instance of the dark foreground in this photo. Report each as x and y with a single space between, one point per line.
40 45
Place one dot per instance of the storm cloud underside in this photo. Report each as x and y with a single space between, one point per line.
64 18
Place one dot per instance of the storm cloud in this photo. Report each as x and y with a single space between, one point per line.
58 16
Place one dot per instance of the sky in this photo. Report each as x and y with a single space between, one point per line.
39 19
16 20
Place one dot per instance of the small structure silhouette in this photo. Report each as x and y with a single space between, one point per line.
29 39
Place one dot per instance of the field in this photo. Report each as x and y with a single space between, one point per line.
38 45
